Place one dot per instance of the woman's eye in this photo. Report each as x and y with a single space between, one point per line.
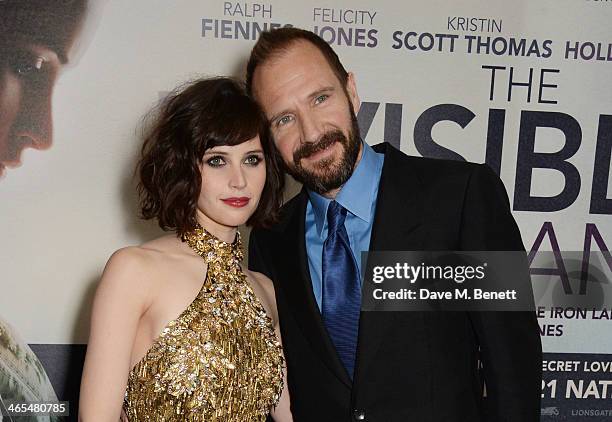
215 161
321 98
253 160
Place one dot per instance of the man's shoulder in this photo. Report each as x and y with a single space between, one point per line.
287 216
294 204
437 164
427 169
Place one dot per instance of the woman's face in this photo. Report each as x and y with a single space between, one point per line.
233 178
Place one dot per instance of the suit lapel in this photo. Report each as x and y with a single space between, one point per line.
397 221
300 295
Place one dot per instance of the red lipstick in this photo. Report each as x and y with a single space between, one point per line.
237 202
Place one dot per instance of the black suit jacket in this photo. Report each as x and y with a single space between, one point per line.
410 366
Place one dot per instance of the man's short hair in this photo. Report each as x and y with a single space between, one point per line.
273 43
50 23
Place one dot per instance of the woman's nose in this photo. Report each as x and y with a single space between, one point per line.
238 179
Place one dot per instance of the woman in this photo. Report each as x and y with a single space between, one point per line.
180 331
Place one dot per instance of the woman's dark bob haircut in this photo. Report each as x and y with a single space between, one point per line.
197 116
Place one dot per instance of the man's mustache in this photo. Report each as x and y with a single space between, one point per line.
326 140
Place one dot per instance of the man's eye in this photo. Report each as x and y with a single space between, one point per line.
321 98
253 160
25 64
283 120
215 161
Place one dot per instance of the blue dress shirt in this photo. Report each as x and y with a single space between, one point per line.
358 196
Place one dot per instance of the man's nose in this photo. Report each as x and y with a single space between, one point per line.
36 120
310 127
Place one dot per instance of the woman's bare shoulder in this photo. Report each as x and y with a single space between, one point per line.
135 267
166 243
148 254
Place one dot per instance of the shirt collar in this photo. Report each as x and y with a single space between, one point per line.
356 195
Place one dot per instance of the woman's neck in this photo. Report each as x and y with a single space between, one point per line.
222 232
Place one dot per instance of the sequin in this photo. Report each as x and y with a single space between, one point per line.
220 360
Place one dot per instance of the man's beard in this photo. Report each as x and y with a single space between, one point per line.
326 176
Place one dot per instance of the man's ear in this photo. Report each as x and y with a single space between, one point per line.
351 89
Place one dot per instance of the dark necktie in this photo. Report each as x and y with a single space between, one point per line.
341 299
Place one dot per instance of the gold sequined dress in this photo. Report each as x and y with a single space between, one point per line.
220 360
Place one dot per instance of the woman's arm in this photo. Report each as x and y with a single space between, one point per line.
282 411
120 300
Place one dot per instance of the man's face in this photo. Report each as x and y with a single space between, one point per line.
27 76
312 116
34 43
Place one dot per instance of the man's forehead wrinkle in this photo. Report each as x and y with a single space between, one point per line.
284 86
291 77
280 58
300 84
277 91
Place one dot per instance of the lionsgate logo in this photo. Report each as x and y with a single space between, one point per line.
591 412
549 411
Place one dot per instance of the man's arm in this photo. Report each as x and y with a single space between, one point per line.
258 263
511 350
256 260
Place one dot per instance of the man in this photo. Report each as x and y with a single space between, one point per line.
35 38
344 364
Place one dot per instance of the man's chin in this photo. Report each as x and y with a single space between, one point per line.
320 181
323 172
323 169
321 163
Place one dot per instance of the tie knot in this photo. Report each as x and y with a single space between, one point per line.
336 214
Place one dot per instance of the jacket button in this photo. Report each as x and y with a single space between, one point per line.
359 415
